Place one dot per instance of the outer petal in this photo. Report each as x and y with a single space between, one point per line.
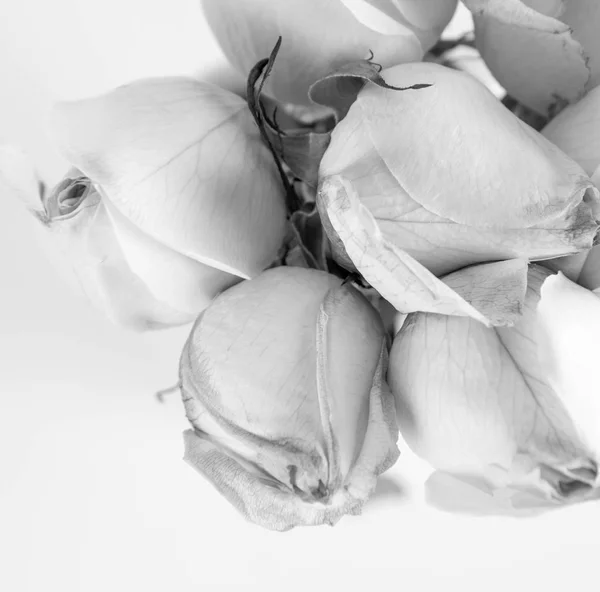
497 289
476 401
183 161
284 377
258 498
318 37
259 340
576 131
493 189
399 278
351 362
569 324
182 282
534 56
485 165
87 239
589 277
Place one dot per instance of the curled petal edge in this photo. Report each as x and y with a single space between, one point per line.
265 502
400 279
563 52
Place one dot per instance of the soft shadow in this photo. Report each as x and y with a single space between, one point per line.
388 491
464 495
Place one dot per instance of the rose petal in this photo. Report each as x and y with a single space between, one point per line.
476 401
497 290
273 431
318 37
426 201
569 324
183 161
290 412
88 241
583 17
18 177
535 57
349 364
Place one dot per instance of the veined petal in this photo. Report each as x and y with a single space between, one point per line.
257 497
534 56
476 401
583 17
398 277
185 283
352 361
497 290
275 420
589 277
318 37
88 241
183 161
472 198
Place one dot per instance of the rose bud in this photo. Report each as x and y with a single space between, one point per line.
174 198
428 181
545 53
320 37
576 131
511 409
283 382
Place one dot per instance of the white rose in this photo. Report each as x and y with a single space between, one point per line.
420 183
173 198
283 382
512 408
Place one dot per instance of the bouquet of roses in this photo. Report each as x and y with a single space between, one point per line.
367 240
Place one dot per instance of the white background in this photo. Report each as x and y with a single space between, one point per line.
94 495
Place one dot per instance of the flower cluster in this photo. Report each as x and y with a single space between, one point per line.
355 175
